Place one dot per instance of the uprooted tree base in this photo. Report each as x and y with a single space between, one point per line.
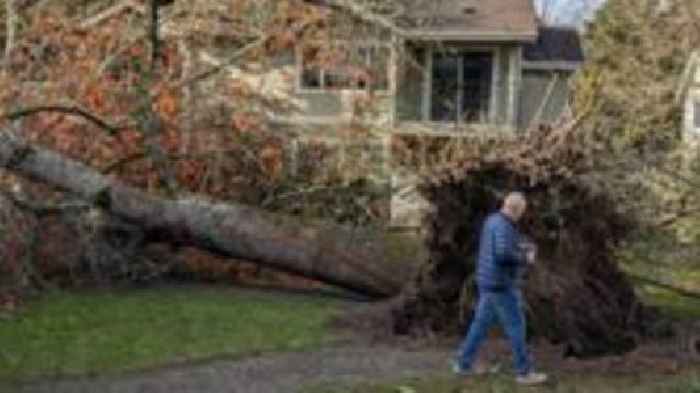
576 294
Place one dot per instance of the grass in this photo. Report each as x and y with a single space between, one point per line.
671 304
687 382
108 332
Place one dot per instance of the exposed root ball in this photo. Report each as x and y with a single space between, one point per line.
576 294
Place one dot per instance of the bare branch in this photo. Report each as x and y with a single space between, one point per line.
227 62
108 13
44 209
366 15
74 111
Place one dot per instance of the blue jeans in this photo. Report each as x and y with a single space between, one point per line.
506 307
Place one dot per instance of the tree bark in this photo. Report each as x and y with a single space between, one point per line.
323 251
11 29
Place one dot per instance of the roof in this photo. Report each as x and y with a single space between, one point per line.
461 20
556 47
477 20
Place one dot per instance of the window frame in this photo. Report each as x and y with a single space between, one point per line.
322 89
494 105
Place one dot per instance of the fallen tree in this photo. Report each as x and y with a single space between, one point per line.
329 253
577 296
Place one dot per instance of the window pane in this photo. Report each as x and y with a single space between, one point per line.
476 98
409 85
346 68
311 78
338 78
445 74
311 73
696 114
372 67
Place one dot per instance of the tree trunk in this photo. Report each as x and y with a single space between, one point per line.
326 252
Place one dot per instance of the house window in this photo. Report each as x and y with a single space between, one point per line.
696 115
358 68
461 87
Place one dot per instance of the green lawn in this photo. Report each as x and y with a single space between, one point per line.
686 382
671 304
104 332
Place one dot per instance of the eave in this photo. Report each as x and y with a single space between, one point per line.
471 36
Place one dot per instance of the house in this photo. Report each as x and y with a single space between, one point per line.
433 68
688 96
450 66
445 67
442 68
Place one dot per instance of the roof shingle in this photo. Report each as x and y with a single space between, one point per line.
465 20
472 19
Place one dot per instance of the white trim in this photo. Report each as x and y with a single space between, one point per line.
495 81
438 128
428 83
394 77
687 95
470 36
342 119
310 120
551 65
687 76
496 77
514 83
689 129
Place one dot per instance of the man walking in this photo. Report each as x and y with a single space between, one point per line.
501 260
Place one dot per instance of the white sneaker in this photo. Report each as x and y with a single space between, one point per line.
476 370
458 370
532 378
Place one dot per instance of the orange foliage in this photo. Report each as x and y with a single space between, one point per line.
166 105
244 121
271 159
104 71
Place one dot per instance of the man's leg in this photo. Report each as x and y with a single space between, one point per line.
484 317
509 308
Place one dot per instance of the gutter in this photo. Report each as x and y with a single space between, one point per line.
471 36
552 65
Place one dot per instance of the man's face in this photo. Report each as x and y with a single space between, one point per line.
519 210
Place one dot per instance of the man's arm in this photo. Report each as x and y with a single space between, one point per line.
506 245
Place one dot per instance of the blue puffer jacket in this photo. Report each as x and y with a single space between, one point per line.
500 259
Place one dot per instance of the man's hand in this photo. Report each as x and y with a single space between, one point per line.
530 251
530 256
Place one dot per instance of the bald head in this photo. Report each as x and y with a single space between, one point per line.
514 205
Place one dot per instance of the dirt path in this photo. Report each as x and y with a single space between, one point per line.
288 372
280 373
